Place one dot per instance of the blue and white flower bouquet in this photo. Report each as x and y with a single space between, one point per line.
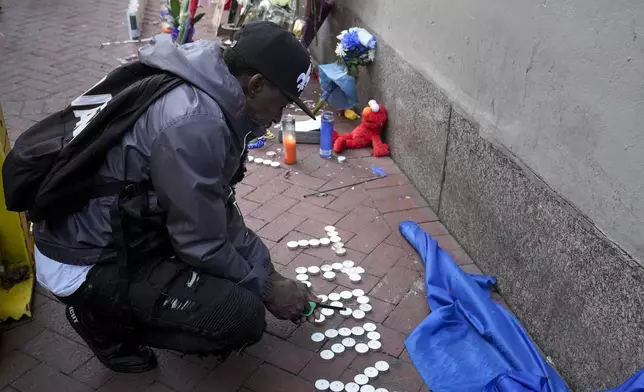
357 47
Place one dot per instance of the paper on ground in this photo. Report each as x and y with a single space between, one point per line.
308 125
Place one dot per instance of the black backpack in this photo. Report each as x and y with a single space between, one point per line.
51 170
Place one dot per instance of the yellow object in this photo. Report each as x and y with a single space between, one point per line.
16 248
350 114
298 28
269 135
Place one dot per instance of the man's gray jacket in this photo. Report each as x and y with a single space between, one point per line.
189 144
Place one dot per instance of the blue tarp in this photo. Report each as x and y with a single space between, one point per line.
634 384
338 87
471 343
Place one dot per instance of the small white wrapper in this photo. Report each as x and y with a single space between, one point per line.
358 293
317 337
369 327
346 294
362 348
357 331
331 333
336 386
358 314
338 348
321 385
374 345
348 342
371 372
334 297
329 275
382 366
361 379
292 245
352 387
328 355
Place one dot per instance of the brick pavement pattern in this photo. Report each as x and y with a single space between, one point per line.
49 54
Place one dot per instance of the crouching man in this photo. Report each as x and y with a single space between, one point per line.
197 280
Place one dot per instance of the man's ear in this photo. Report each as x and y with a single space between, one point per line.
255 84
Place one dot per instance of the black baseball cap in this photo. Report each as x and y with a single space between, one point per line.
277 55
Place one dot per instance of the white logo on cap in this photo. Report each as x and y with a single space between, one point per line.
303 79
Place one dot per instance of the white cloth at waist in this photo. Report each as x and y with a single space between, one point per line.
61 279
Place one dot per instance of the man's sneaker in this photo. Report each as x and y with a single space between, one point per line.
116 356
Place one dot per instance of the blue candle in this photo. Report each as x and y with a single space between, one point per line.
326 135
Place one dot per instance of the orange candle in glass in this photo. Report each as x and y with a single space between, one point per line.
288 140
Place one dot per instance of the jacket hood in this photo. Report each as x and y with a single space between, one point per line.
202 64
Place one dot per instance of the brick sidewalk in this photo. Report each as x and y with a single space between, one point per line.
50 54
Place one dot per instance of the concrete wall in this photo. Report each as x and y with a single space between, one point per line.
521 123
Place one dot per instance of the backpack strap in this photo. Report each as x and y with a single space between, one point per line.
124 194
67 183
109 188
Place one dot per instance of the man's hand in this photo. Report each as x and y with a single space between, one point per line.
289 299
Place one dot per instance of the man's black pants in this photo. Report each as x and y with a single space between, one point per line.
173 306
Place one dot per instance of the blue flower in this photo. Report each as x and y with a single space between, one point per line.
357 47
350 41
372 43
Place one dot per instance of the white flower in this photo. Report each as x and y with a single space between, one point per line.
372 55
364 36
341 35
339 50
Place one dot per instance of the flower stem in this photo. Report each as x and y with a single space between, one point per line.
323 98
318 106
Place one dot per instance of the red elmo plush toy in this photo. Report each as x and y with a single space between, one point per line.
367 133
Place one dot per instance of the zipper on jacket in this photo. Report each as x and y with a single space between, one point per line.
231 191
245 145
